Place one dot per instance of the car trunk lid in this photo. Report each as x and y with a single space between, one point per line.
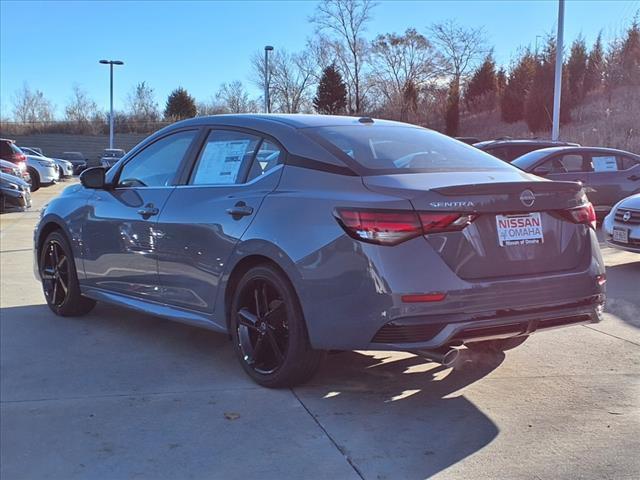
519 226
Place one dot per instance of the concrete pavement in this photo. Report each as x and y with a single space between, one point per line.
119 395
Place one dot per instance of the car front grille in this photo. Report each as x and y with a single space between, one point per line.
633 216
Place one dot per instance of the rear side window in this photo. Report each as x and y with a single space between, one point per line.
391 149
223 156
604 163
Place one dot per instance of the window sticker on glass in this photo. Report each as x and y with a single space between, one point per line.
221 161
604 164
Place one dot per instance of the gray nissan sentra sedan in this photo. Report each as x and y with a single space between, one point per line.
298 234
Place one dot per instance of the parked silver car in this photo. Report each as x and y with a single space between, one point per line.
65 168
622 225
298 234
43 171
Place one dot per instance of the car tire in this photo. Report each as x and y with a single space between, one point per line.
268 330
60 279
35 178
498 345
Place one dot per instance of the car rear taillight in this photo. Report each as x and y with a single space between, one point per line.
583 214
390 227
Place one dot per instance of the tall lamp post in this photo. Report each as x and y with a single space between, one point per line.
267 107
111 63
557 89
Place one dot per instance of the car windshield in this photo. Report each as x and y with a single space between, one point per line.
398 149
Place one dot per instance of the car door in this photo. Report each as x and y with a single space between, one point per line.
205 218
119 237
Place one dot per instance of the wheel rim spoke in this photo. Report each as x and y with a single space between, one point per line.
248 319
257 350
63 285
275 348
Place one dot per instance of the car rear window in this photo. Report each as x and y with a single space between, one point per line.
397 149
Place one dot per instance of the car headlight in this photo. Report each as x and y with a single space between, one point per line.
44 163
13 186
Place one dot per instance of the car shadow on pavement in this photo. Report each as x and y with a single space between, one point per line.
400 416
623 279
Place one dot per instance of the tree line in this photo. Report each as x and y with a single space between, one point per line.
428 77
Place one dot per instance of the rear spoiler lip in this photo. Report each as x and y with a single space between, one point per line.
508 187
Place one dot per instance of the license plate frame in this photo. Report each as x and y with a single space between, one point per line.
620 235
519 229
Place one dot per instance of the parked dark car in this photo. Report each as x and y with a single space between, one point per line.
110 157
78 159
14 191
608 175
508 149
298 234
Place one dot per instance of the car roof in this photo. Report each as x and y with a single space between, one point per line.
295 120
520 141
580 149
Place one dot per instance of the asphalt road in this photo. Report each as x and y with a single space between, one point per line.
122 395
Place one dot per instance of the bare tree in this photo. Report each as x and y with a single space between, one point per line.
402 66
235 98
346 20
141 104
212 107
81 108
291 78
31 106
461 49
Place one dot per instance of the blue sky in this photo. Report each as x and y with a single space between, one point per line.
53 45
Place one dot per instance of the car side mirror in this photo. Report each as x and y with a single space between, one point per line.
93 178
541 171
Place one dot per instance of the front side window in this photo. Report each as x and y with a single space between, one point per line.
157 164
397 149
568 163
223 156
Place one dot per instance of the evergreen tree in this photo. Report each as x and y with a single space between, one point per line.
631 55
481 89
576 69
180 105
501 82
595 67
452 114
331 96
515 91
538 112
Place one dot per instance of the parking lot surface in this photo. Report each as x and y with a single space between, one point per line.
120 395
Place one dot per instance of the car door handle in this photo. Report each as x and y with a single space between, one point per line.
148 211
634 177
240 209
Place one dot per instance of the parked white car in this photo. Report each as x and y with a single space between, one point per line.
43 171
622 225
65 167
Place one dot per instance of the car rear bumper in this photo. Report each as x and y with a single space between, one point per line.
428 333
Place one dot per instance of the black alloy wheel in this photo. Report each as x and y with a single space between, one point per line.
60 279
269 331
263 329
55 273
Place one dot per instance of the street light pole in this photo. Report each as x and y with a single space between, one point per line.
557 89
111 63
267 107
